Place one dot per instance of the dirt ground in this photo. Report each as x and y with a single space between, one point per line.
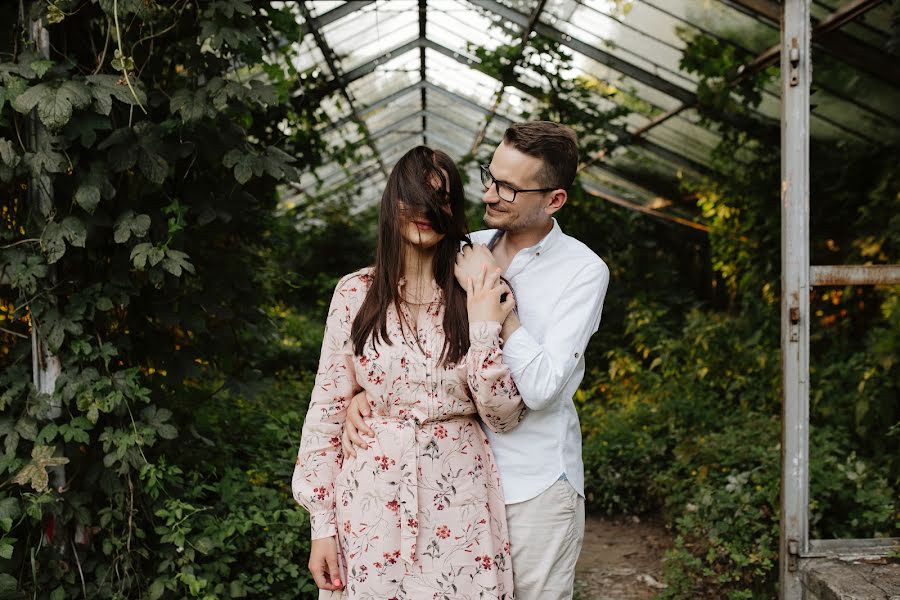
621 559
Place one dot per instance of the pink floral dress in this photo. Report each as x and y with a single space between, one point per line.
420 514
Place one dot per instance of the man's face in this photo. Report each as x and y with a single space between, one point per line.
518 171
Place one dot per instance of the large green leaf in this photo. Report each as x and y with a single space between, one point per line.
85 128
192 106
87 196
129 224
153 166
146 253
54 102
106 87
175 261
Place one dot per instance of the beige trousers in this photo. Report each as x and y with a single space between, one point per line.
545 534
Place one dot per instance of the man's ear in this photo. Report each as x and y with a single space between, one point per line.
557 200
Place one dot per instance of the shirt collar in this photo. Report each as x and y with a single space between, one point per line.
548 240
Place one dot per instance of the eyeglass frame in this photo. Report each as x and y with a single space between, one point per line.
496 184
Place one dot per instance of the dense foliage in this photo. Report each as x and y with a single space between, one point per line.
142 245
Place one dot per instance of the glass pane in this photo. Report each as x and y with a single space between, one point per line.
372 30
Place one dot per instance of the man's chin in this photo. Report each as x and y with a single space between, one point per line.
492 222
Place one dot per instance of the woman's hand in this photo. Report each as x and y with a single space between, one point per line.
483 297
323 564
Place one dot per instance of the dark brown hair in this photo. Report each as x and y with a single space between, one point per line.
555 144
418 186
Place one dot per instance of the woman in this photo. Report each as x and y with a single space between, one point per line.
420 513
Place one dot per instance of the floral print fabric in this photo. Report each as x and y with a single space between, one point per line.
420 513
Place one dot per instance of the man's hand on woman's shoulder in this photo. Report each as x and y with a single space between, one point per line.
469 262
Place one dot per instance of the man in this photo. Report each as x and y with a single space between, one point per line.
559 284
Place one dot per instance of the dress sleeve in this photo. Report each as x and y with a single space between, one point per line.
319 458
493 389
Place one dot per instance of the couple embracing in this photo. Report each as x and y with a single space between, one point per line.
441 452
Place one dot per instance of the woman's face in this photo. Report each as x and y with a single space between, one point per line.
416 229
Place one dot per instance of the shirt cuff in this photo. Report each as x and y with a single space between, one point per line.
484 335
322 524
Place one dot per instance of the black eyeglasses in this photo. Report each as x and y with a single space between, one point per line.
504 190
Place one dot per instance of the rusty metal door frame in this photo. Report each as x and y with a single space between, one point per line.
797 278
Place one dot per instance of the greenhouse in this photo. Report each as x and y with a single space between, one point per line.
187 184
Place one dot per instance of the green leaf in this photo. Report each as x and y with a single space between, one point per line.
9 586
104 304
47 434
53 242
85 128
88 197
262 93
192 106
46 158
121 62
129 223
242 162
153 166
55 236
54 102
157 588
176 261
10 510
146 253
106 87
13 87
27 428
41 66
8 153
73 231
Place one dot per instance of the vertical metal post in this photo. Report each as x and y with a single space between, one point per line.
796 74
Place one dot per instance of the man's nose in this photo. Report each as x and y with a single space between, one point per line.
490 195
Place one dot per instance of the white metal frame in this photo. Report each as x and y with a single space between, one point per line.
797 278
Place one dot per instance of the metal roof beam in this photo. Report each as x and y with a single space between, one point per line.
377 104
508 72
826 35
601 56
419 113
471 62
423 21
334 66
337 13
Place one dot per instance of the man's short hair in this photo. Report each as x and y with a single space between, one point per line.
556 145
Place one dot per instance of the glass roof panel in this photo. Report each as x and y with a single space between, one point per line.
648 35
388 77
384 116
454 24
319 7
459 78
634 38
454 110
372 30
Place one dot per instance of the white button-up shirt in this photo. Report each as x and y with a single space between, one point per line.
559 285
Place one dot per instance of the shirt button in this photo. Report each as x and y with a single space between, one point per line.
576 355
